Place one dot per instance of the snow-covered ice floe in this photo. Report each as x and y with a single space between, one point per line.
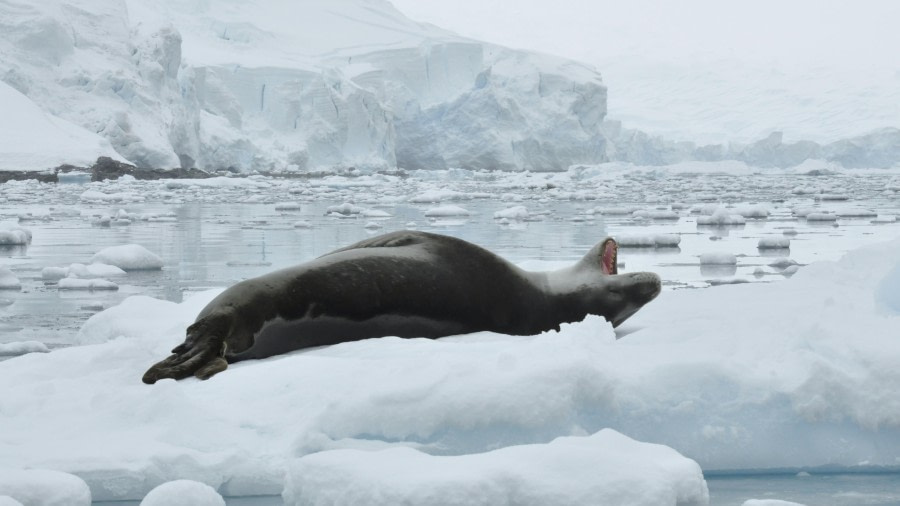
128 257
605 468
43 487
795 374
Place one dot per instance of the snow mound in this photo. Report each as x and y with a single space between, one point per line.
128 257
605 468
44 487
22 347
183 493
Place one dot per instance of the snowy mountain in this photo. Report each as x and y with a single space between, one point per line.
305 86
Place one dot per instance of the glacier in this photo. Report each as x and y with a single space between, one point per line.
297 87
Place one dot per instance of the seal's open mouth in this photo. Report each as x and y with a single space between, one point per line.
608 257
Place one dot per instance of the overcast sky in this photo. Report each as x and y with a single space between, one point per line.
816 32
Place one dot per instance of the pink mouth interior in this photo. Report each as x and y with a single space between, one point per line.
608 262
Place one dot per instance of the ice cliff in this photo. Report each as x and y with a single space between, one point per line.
304 86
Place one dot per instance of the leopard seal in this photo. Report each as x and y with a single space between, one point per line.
406 284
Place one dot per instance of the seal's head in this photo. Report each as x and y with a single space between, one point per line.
609 294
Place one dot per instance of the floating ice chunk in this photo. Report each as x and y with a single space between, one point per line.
790 270
8 280
372 225
374 213
803 211
614 211
774 243
636 241
789 232
288 206
804 190
752 211
821 217
183 493
44 487
102 221
14 238
54 273
656 214
98 196
781 263
129 257
667 240
770 502
21 348
856 213
449 210
86 284
721 216
885 218
759 272
35 217
94 270
345 209
605 468
718 259
302 224
437 195
831 197
512 213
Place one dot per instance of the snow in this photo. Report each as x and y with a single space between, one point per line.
43 487
6 500
128 257
22 347
667 79
31 139
286 87
183 493
604 468
724 387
